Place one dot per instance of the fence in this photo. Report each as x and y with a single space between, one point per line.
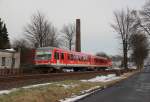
10 72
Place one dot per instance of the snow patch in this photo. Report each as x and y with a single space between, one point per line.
102 78
91 89
84 94
74 98
67 86
12 50
25 87
37 85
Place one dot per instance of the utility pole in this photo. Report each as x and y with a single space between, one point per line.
78 36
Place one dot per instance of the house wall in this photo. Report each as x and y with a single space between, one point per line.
9 57
9 63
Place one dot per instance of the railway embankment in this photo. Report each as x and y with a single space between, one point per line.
64 91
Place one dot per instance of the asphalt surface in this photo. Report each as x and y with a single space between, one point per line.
134 89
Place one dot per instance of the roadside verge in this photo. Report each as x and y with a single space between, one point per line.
59 91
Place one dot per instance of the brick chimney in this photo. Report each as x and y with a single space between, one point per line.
78 36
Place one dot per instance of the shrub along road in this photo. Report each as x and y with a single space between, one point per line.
134 89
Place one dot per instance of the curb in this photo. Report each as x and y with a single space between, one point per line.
97 90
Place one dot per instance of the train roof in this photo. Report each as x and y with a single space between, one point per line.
42 48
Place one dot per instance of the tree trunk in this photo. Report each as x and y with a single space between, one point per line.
70 45
125 58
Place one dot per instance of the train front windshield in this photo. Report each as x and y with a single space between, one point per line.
43 55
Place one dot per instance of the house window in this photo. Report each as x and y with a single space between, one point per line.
3 61
13 62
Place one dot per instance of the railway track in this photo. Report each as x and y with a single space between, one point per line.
8 82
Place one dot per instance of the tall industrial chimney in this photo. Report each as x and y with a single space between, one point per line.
78 36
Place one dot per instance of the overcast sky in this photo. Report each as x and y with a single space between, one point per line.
95 15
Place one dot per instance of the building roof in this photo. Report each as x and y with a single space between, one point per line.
7 50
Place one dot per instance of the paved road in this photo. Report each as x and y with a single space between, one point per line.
135 89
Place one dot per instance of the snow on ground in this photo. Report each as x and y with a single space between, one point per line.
74 98
67 86
84 94
25 87
91 89
37 85
102 78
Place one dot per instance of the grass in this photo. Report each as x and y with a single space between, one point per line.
49 93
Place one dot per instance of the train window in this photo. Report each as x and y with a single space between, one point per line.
85 58
43 55
77 58
82 58
71 57
68 56
62 55
89 59
74 57
3 61
56 55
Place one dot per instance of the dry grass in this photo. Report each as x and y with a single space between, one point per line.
50 93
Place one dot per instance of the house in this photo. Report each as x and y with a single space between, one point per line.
9 62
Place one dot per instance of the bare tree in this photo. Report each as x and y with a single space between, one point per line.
21 43
124 25
143 18
41 32
26 51
140 48
69 34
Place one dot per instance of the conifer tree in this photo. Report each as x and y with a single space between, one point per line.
4 40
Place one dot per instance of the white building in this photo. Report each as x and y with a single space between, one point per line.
9 61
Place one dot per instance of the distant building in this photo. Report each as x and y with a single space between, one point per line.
9 61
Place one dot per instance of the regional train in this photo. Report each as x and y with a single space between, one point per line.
52 59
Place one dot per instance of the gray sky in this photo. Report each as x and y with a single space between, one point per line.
95 15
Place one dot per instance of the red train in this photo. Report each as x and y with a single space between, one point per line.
50 58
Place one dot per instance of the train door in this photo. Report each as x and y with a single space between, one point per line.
65 58
57 57
62 58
